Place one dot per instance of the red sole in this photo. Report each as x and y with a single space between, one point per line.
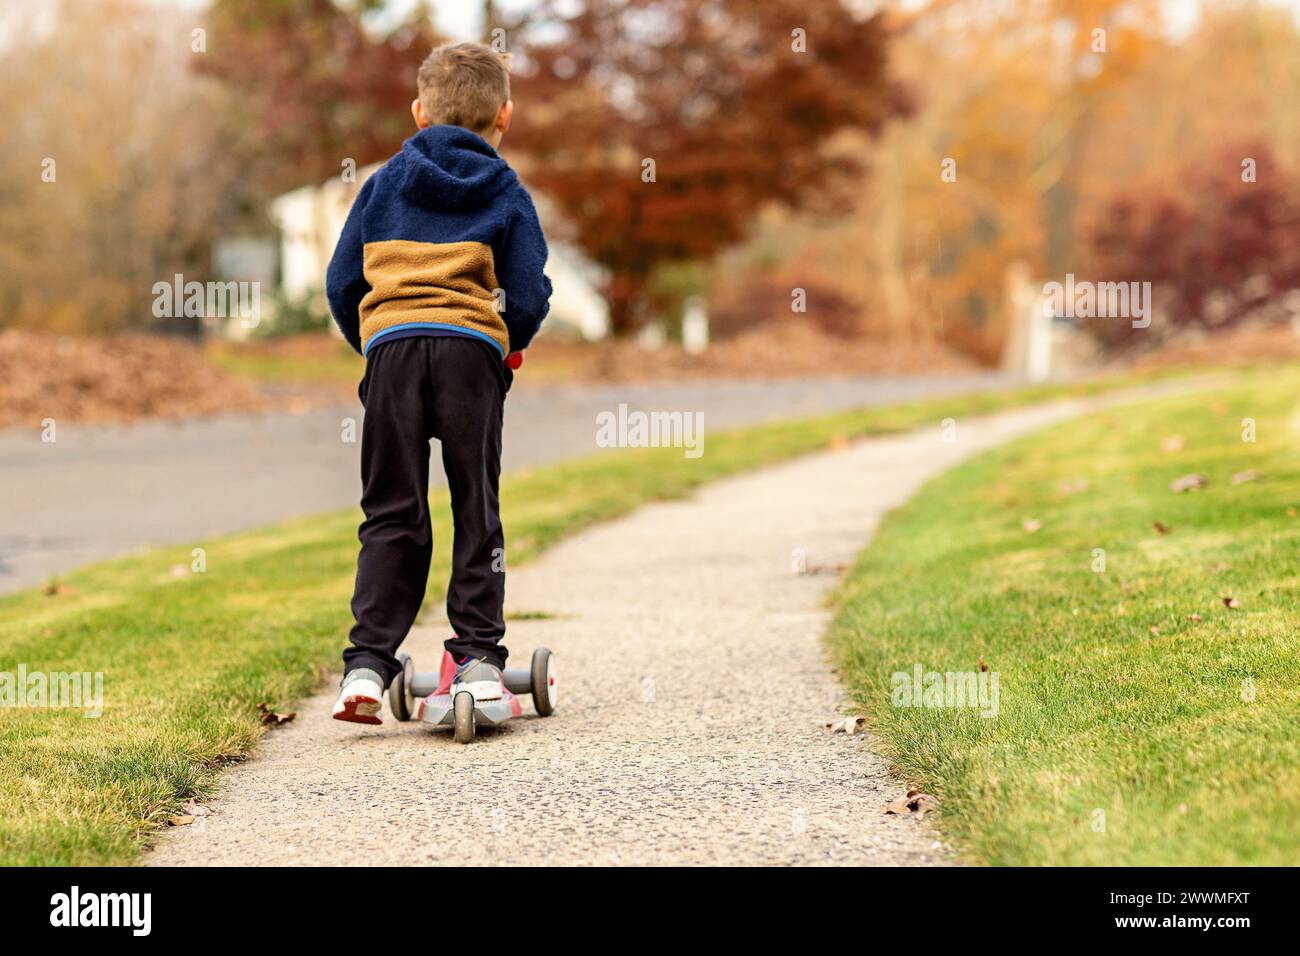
349 712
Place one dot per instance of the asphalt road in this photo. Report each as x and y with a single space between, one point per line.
100 491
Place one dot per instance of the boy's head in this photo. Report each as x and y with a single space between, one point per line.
465 84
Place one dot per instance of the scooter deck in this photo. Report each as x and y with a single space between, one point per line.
437 709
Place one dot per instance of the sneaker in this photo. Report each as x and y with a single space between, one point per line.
480 678
360 697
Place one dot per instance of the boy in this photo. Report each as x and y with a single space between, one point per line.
436 280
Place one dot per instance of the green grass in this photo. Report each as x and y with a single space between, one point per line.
1127 732
187 657
305 359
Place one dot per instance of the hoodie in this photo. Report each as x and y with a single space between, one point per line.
442 240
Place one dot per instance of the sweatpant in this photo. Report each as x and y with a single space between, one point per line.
416 389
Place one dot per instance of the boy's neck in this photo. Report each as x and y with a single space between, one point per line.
491 135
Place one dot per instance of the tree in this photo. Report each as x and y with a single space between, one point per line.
114 176
1219 251
661 129
312 86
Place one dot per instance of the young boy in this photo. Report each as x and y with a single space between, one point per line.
436 280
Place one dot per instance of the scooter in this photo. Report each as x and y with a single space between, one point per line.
426 695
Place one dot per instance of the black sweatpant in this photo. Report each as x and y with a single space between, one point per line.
451 388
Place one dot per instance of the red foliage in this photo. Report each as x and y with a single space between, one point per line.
710 90
1219 251
310 87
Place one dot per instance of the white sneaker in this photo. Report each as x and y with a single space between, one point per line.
481 679
360 697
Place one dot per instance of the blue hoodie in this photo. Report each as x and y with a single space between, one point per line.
442 240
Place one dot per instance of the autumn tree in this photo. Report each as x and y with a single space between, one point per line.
1219 249
312 86
114 176
660 129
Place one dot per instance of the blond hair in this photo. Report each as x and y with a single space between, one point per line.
464 84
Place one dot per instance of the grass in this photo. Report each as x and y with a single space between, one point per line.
1141 721
187 657
309 359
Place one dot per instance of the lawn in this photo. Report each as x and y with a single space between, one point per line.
1141 719
187 657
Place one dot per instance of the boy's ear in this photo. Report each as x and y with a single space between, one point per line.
504 115
418 114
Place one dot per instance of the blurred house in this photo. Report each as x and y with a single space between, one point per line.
310 219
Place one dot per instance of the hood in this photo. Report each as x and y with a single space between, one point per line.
451 169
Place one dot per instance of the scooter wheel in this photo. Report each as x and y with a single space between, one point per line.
463 707
543 681
400 699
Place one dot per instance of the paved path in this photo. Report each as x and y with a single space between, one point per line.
103 491
693 688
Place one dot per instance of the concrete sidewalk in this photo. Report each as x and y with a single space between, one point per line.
693 689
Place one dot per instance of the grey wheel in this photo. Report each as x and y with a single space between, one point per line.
400 699
463 706
543 681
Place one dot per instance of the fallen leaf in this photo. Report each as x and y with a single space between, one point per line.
1155 631
1031 525
195 809
1241 477
181 820
847 725
1172 444
838 443
1194 618
1188 483
1161 527
914 802
1221 566
1291 512
54 588
272 719
983 667
1231 602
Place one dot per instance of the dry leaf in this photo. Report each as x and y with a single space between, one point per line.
1221 566
1155 631
54 588
846 725
1194 618
914 801
272 719
195 809
838 442
1291 512
1188 483
1231 602
116 378
1161 527
983 667
1031 525
1241 477
181 820
1172 444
